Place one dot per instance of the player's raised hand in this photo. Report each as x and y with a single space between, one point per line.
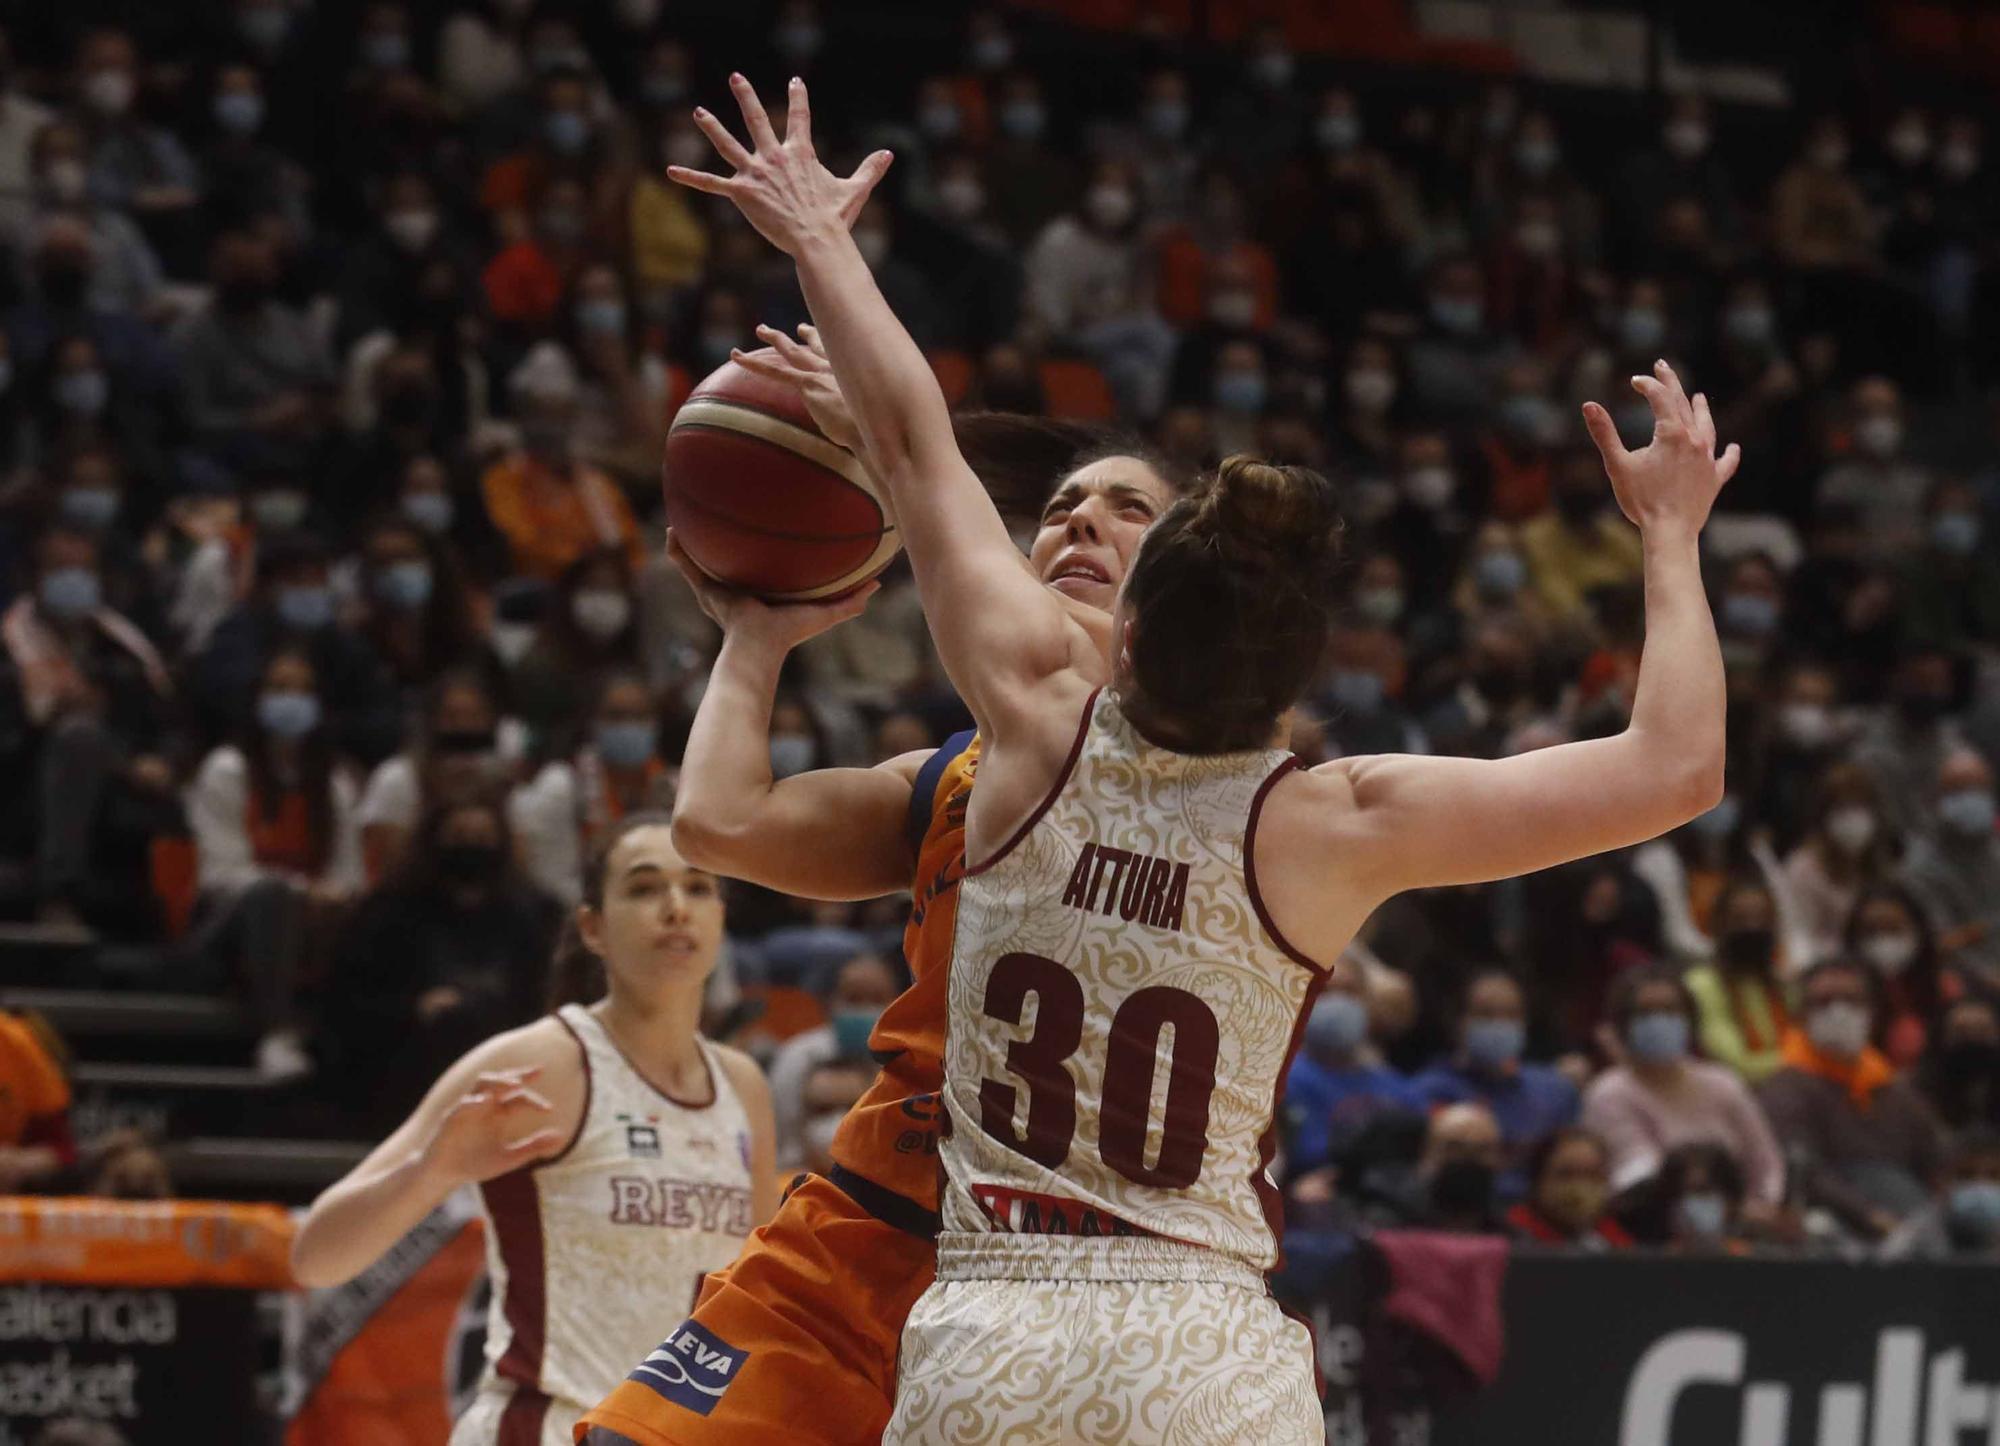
782 626
1673 480
491 1130
780 186
806 370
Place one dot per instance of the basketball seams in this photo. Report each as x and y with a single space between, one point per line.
709 509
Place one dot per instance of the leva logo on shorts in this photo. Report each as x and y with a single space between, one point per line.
692 1368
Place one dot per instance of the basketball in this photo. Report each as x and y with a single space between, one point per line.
762 501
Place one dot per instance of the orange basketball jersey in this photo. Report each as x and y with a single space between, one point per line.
890 1138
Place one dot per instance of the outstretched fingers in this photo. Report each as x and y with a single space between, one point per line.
1726 465
726 145
1704 422
768 365
1604 432
754 115
798 116
791 351
862 183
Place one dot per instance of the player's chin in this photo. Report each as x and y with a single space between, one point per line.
1087 590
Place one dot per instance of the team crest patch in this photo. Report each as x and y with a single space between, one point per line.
692 1368
642 1136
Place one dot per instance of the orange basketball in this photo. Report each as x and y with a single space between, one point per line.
762 501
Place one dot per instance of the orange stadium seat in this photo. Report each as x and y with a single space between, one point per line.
1077 389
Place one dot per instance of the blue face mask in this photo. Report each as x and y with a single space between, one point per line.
1023 119
305 607
288 715
1749 325
1355 690
1955 532
663 90
1704 1216
1500 574
1494 1043
1751 614
567 131
93 508
1967 811
69 592
1337 1025
1642 329
1461 318
851 1028
405 584
601 316
1658 1038
1973 1208
239 112
386 50
1167 119
82 393
1338 132
431 511
1240 392
626 744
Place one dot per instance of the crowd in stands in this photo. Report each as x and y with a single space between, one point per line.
338 343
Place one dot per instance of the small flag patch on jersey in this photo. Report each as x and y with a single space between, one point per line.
692 1368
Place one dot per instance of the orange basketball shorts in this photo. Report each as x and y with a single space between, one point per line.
795 1342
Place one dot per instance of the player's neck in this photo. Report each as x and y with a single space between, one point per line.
658 1031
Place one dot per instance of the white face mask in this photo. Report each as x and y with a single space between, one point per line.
512 641
1809 725
1428 487
1370 389
1852 828
1891 954
1879 435
1110 206
601 613
109 91
1839 1030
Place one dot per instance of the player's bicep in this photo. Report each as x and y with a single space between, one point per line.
1433 821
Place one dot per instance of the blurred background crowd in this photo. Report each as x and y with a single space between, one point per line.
338 343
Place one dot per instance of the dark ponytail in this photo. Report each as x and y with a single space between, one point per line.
1231 596
576 975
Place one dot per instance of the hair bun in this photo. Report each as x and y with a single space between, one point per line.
1291 511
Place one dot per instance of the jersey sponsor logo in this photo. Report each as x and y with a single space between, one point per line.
680 1204
1134 886
642 1136
692 1368
1025 1212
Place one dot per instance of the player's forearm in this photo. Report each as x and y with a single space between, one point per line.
1680 706
357 1221
894 396
726 770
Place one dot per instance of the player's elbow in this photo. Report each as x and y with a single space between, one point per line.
702 839
1695 788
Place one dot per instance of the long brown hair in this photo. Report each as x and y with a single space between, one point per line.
576 975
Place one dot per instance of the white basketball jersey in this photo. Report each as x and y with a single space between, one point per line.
1121 1010
594 1252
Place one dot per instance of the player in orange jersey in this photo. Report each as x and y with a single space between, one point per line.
808 1318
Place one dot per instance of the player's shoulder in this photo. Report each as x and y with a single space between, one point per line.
546 1043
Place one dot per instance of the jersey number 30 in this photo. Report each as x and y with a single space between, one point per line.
1041 1061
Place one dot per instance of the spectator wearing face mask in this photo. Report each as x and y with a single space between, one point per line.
88 707
1868 1140
1367 411
1084 267
1362 692
450 949
1493 697
1740 997
1846 851
381 275
1518 446
1819 216
118 271
1790 782
246 176
292 604
975 269
1529 1101
588 633
1338 1081
1456 355
1581 544
255 376
1955 869
1888 932
1211 269
1963 1221
1960 1074
1428 528
135 166
1684 164
1950 583
277 850
61 300
619 767
622 400
1696 1206
1887 488
547 245
860 989
481 56
1460 1170
1532 279
1660 1095
1568 1188
565 143
551 508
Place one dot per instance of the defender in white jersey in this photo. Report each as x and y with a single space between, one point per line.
1109 1079
618 1156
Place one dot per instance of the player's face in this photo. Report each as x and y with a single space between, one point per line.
661 918
1092 526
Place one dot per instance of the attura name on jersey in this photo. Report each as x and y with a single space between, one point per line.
1134 886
